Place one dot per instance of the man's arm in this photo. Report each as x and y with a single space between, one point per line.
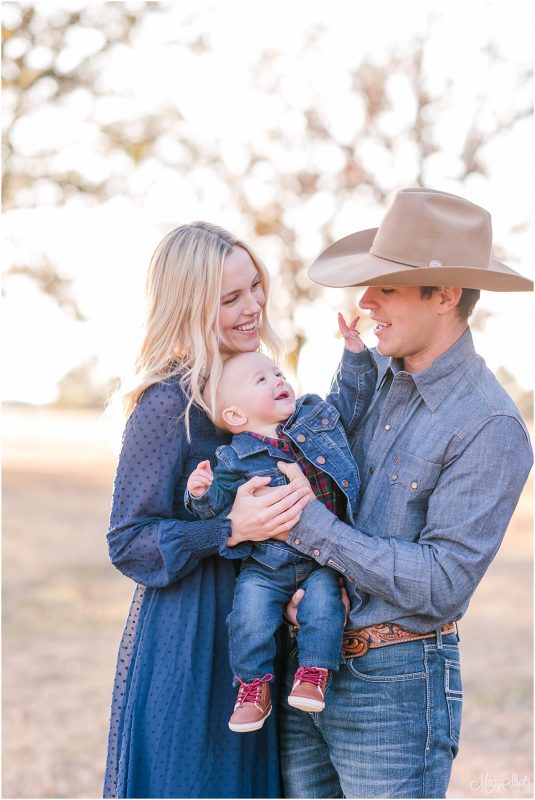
467 516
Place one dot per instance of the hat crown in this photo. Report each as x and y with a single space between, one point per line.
427 238
428 228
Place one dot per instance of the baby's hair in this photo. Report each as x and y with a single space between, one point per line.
215 411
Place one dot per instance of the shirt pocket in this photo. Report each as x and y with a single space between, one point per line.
411 479
324 418
326 430
415 476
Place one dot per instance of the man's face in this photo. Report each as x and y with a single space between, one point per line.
254 384
407 324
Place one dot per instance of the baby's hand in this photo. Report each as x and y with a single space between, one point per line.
200 479
351 335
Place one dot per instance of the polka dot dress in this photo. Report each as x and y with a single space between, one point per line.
173 693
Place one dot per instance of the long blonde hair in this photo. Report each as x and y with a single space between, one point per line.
181 336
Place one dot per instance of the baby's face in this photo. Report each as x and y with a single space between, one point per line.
256 386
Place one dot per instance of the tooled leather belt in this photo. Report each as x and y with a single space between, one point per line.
357 642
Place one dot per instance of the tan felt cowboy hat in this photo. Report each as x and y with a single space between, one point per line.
426 238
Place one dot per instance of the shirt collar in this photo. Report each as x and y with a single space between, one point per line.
436 382
281 441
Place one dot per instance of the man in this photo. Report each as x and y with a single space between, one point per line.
443 454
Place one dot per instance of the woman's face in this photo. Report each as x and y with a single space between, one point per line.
242 300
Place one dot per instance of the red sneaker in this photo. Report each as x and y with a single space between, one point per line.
253 705
308 691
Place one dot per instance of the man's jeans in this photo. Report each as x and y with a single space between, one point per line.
390 727
259 600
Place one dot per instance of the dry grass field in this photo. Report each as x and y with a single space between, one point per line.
64 607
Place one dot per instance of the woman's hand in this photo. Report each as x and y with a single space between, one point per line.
259 514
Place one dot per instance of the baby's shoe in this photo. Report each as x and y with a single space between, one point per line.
308 691
253 705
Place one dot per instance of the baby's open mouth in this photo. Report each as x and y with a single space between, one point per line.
283 395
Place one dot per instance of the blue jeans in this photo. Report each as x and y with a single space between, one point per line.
260 597
390 727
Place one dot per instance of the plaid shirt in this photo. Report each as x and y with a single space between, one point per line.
322 484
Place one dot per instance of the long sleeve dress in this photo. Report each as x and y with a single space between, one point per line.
173 692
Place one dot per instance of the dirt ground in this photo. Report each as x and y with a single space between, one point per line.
64 607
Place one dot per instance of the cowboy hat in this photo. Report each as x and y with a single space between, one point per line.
427 238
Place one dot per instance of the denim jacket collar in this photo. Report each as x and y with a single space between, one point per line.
246 445
437 381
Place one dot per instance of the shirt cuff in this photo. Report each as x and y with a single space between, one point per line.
311 534
242 550
209 537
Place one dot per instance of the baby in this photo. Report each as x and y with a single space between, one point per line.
256 403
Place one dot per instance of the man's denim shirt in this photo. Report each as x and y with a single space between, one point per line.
318 428
443 456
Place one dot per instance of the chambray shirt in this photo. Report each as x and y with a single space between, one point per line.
443 455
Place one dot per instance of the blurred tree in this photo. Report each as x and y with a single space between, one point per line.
78 388
328 162
46 276
331 155
55 64
522 397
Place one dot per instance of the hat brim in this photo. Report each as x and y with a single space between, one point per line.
348 262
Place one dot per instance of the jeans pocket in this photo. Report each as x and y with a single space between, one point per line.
454 697
399 662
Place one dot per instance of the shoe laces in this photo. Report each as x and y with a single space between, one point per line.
251 692
313 675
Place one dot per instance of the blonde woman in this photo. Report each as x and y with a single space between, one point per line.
173 690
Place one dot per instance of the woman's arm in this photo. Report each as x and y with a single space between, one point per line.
146 541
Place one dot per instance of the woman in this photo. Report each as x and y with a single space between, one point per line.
173 691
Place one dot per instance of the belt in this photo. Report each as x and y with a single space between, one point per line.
357 642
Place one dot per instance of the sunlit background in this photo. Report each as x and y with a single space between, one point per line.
291 124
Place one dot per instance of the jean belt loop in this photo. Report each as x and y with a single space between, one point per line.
439 638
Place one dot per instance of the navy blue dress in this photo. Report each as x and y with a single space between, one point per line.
173 693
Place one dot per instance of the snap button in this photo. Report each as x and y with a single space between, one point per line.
321 459
345 483
371 470
297 541
315 552
414 485
388 426
301 437
325 421
394 477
